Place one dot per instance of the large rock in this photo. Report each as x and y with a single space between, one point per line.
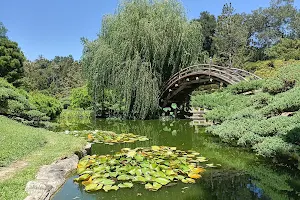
50 178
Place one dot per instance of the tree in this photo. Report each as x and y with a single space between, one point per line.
138 49
3 30
11 61
56 77
208 24
270 24
286 49
231 37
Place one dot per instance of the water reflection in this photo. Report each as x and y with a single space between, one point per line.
242 176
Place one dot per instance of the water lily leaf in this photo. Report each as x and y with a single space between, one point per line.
114 187
188 180
113 174
195 176
180 177
155 148
99 187
107 182
149 186
91 187
162 181
106 188
80 170
174 132
167 129
138 172
156 186
125 185
174 105
139 179
142 139
139 158
87 182
198 170
84 177
201 159
131 153
124 178
166 109
170 172
211 165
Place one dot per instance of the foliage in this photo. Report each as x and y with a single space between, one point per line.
231 37
46 104
245 86
208 24
155 167
80 98
108 137
16 104
11 61
255 120
36 147
144 39
3 30
286 49
269 25
272 146
53 77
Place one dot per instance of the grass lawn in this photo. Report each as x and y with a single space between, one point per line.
34 146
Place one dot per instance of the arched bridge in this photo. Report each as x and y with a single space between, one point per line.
181 84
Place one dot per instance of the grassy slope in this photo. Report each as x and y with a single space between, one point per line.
35 146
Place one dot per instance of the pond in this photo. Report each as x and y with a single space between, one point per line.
243 175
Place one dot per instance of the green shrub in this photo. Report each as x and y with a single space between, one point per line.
15 104
245 86
46 104
286 102
286 49
272 146
255 121
276 85
261 100
293 136
80 98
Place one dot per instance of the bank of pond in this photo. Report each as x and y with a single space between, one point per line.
171 160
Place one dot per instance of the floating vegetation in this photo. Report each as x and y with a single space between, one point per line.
154 167
108 137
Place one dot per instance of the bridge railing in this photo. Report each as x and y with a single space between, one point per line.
233 75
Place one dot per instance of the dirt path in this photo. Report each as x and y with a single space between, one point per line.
7 172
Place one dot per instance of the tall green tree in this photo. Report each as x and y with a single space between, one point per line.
138 49
11 61
209 24
269 25
55 77
3 30
231 37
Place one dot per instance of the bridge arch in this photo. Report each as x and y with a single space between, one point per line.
181 84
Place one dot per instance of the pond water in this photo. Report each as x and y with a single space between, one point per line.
242 176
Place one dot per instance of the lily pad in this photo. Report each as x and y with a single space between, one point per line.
156 167
125 185
162 181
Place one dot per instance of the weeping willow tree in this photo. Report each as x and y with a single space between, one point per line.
137 50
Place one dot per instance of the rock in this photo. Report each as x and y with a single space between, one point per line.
38 190
51 177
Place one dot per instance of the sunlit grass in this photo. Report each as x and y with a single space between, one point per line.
35 146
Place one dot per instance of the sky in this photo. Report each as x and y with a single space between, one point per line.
54 27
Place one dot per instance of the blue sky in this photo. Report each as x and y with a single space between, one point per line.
54 27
